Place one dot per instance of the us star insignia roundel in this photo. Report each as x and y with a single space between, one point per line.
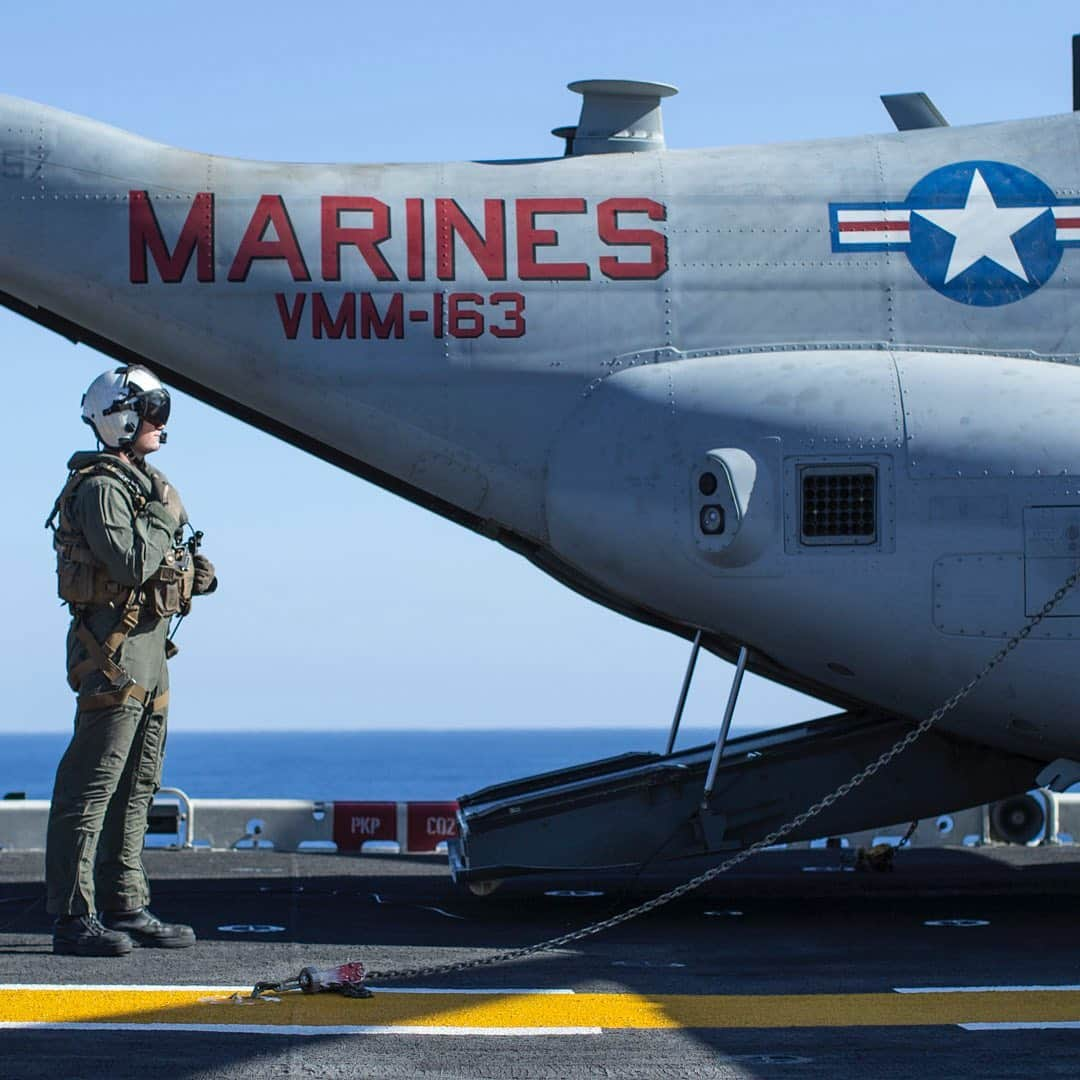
979 232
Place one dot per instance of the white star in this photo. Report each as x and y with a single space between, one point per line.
982 228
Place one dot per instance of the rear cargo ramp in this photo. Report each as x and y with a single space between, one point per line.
626 812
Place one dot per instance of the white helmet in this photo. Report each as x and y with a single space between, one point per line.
116 401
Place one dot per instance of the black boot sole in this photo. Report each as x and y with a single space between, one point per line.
184 942
72 948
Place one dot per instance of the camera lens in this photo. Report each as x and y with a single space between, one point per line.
712 520
707 483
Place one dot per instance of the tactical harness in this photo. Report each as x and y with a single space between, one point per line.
83 582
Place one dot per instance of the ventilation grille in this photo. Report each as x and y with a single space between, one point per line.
839 506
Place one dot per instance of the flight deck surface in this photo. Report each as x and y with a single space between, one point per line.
959 963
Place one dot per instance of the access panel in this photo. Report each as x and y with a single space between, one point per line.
1051 554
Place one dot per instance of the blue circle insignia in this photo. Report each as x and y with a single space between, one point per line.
983 232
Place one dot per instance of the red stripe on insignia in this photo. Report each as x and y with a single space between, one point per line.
874 226
1067 222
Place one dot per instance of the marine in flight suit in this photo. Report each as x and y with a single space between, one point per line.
125 572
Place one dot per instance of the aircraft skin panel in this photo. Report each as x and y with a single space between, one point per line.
623 500
556 347
749 245
757 272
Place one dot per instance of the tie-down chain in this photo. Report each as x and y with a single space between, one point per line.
349 978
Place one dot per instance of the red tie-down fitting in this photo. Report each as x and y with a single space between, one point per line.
347 979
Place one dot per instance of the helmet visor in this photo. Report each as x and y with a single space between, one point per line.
153 406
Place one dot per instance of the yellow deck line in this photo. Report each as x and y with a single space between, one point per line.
447 1010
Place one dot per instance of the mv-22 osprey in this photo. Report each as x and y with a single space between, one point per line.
812 407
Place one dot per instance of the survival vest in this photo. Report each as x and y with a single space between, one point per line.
83 582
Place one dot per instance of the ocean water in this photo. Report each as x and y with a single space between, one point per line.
378 765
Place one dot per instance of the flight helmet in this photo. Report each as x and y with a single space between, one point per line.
116 401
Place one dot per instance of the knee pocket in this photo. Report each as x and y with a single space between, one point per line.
152 754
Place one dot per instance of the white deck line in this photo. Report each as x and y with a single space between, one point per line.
297 1029
1025 1025
180 988
1034 989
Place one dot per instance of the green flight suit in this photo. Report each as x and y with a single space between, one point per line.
112 767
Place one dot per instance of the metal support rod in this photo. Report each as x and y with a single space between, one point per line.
188 812
718 749
682 695
1053 818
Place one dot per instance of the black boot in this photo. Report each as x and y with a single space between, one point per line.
147 930
83 935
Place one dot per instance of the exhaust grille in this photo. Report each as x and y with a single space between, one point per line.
839 505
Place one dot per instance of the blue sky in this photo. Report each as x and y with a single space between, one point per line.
412 621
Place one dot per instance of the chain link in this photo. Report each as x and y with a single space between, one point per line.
778 834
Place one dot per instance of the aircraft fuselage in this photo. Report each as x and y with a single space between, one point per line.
561 350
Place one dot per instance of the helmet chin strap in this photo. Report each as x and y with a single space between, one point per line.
129 448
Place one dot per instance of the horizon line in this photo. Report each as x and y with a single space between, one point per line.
384 728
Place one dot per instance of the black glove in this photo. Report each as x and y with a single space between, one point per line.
205 576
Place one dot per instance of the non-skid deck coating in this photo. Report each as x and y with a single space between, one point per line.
959 963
